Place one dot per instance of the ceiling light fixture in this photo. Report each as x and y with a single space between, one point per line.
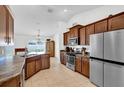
38 37
65 10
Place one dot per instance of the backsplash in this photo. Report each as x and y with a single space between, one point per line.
80 47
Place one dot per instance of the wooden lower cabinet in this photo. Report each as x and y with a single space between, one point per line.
30 68
13 82
82 65
78 64
45 61
35 64
63 57
85 66
38 64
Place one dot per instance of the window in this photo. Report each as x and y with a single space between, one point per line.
36 47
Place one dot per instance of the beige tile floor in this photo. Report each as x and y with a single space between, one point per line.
58 76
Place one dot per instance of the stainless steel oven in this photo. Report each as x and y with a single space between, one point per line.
71 62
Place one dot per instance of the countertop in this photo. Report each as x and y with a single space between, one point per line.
33 54
10 67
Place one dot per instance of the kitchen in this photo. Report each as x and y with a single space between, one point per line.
86 46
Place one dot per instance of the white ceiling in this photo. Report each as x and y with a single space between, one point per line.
30 18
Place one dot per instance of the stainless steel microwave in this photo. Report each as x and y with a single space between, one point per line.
74 41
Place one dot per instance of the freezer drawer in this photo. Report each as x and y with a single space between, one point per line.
113 75
96 72
114 45
96 45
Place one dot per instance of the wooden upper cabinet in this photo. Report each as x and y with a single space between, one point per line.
89 31
68 37
6 26
65 38
71 33
3 34
101 26
116 22
82 36
10 29
74 31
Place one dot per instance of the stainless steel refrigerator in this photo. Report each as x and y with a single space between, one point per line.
107 59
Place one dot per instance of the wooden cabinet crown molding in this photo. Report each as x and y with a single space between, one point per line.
10 10
76 26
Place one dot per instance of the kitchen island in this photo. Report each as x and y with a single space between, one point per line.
15 69
11 71
35 63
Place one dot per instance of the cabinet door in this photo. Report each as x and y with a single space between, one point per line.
10 29
62 57
45 61
68 37
38 64
76 32
78 64
48 47
101 26
3 37
65 39
30 68
85 66
82 36
52 48
89 31
71 33
13 82
116 22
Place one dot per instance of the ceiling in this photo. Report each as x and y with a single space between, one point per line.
30 18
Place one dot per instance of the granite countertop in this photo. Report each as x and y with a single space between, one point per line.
10 67
33 54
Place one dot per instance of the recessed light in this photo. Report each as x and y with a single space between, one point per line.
65 10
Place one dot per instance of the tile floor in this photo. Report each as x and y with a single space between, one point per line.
58 76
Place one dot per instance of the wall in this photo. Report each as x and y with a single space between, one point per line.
95 14
21 40
58 38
